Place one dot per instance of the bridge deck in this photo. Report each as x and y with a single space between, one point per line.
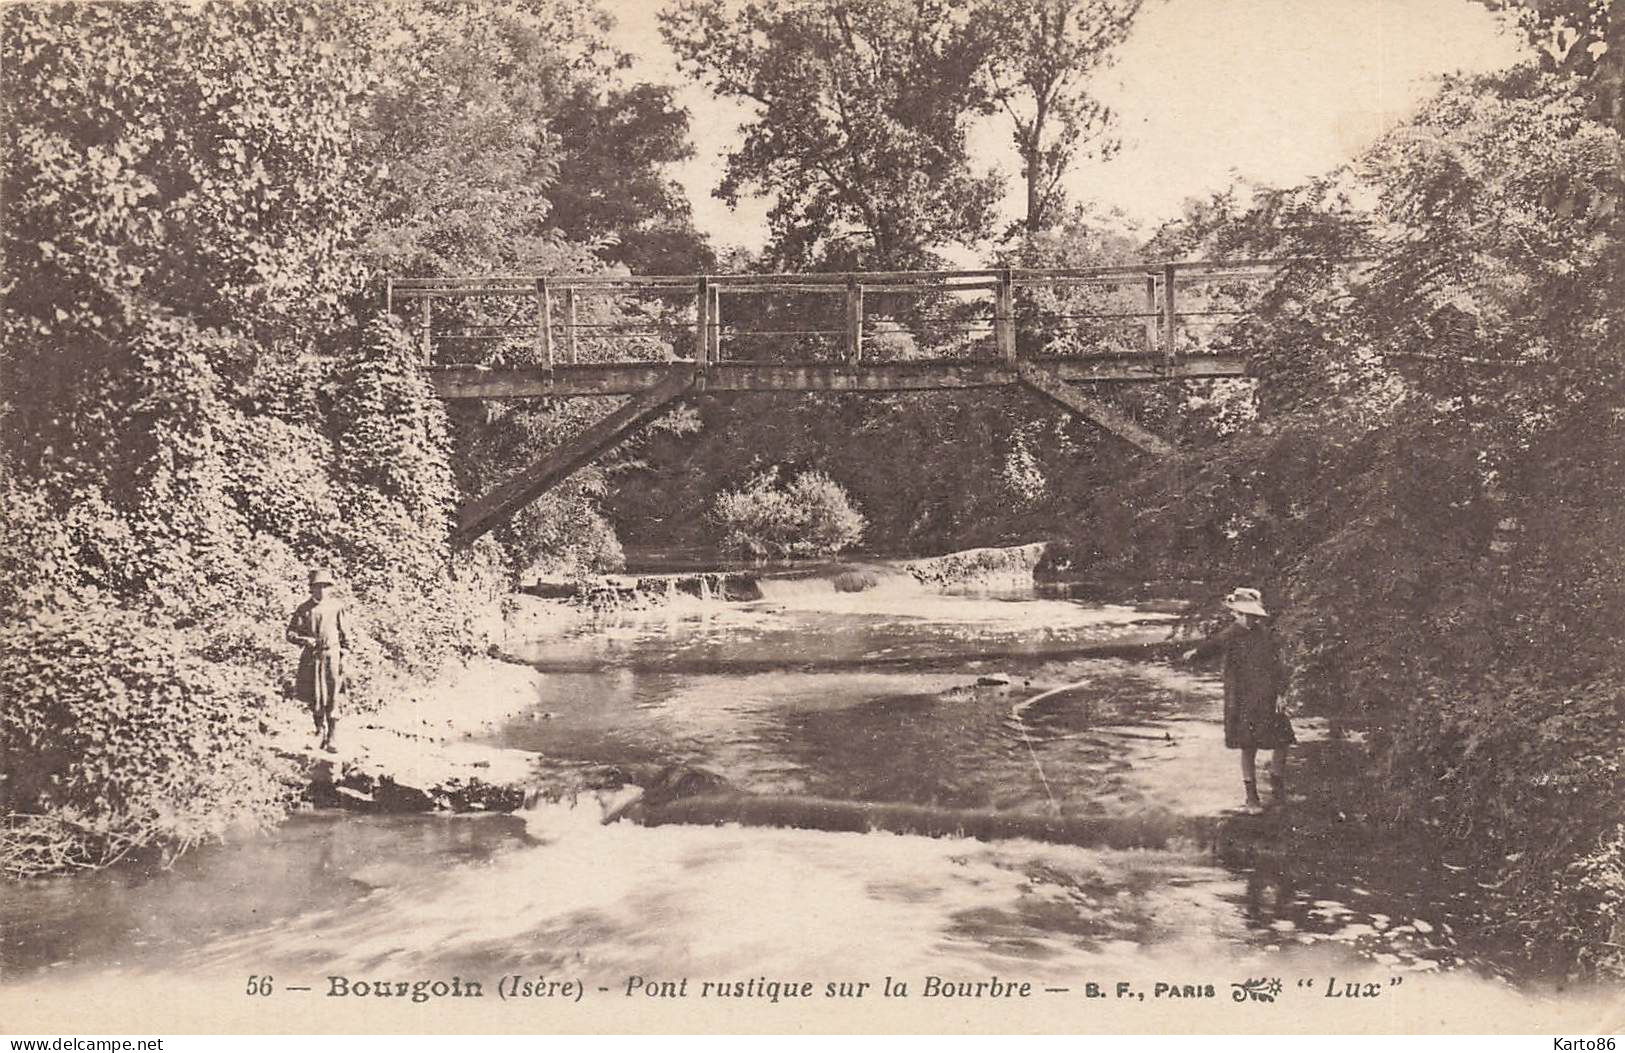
625 378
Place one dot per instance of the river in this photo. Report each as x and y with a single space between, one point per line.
974 704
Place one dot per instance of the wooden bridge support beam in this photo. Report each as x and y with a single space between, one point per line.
1048 382
1170 315
426 331
485 513
714 317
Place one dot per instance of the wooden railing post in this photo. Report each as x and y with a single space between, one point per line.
854 322
1151 314
544 322
427 320
702 321
570 326
1004 316
716 324
1170 311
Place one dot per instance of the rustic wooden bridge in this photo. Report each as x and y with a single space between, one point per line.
1149 309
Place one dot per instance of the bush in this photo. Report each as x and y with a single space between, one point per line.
563 534
809 516
1522 775
117 737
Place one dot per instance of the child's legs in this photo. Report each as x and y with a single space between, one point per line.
1249 764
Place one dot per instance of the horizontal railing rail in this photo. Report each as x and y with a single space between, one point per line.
1155 311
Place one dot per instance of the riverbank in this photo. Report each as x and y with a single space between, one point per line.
1037 813
420 749
417 751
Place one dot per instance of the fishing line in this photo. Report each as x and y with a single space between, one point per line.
1021 726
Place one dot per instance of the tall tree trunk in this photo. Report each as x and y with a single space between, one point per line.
1035 203
1032 152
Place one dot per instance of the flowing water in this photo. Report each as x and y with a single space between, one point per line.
825 701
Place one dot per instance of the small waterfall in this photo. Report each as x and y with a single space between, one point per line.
781 590
705 586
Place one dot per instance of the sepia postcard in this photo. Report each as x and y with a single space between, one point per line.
830 516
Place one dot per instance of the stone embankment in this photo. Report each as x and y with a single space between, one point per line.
978 567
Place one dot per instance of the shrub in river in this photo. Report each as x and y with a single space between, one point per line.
810 515
860 580
119 737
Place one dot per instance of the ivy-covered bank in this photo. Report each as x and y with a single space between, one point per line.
202 398
147 595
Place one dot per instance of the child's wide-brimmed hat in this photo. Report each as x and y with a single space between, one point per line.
1246 601
322 576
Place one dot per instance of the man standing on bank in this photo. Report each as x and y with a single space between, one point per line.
1253 680
318 627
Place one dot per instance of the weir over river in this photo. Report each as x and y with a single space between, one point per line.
811 695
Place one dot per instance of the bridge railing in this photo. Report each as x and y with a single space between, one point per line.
1153 303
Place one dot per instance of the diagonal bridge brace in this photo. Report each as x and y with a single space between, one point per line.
483 514
1048 382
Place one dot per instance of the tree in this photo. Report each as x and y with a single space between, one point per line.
458 133
1047 51
860 130
1431 483
611 189
507 143
1582 39
135 192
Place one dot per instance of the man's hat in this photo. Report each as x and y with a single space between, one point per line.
322 576
1247 601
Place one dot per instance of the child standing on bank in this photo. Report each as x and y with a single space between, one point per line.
1253 681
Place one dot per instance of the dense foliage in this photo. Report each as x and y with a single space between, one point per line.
1430 483
124 735
203 399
